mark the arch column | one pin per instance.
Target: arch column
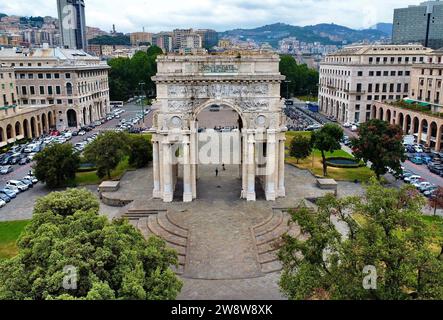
(281, 167)
(420, 130)
(250, 194)
(168, 189)
(156, 169)
(187, 184)
(270, 166)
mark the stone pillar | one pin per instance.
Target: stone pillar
(168, 192)
(438, 138)
(420, 131)
(428, 136)
(270, 167)
(250, 195)
(187, 184)
(156, 169)
(405, 124)
(244, 165)
(194, 155)
(281, 168)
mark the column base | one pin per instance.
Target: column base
(270, 196)
(250, 196)
(281, 192)
(187, 197)
(168, 197)
(156, 194)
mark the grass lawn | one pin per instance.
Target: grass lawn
(91, 178)
(314, 164)
(9, 233)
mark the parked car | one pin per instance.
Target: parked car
(18, 184)
(430, 192)
(10, 188)
(6, 169)
(23, 161)
(11, 194)
(423, 186)
(5, 197)
(27, 182)
(2, 203)
(416, 160)
(81, 133)
(31, 178)
(411, 177)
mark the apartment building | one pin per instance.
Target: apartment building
(427, 82)
(186, 38)
(140, 37)
(353, 78)
(71, 80)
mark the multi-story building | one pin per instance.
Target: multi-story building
(163, 40)
(209, 37)
(186, 38)
(353, 78)
(140, 37)
(419, 24)
(72, 24)
(71, 80)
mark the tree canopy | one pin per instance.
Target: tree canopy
(301, 147)
(327, 139)
(303, 80)
(127, 73)
(140, 151)
(111, 40)
(381, 144)
(56, 165)
(391, 255)
(107, 151)
(82, 255)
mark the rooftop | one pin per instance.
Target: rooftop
(382, 50)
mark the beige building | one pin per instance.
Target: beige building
(353, 78)
(71, 80)
(250, 86)
(139, 37)
(427, 81)
(186, 38)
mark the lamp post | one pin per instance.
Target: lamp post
(287, 88)
(141, 84)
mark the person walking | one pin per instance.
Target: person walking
(216, 172)
(223, 166)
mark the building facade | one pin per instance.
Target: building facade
(163, 40)
(72, 24)
(419, 24)
(75, 83)
(140, 37)
(209, 37)
(353, 78)
(186, 38)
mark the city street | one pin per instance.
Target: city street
(21, 207)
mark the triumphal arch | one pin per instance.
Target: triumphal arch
(247, 82)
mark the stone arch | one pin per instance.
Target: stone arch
(388, 115)
(33, 128)
(2, 135)
(18, 129)
(44, 123)
(432, 138)
(84, 116)
(50, 120)
(401, 119)
(209, 103)
(408, 124)
(415, 125)
(71, 115)
(26, 127)
(9, 132)
(90, 114)
(380, 114)
(374, 112)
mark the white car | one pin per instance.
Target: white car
(33, 179)
(413, 177)
(2, 203)
(81, 133)
(18, 184)
(12, 189)
(347, 125)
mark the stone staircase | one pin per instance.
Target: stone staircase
(268, 239)
(159, 223)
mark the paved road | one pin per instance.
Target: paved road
(21, 207)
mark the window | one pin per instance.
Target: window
(398, 87)
(393, 73)
(385, 87)
(22, 76)
(407, 73)
(69, 89)
(400, 73)
(369, 98)
(43, 101)
(377, 87)
(58, 90)
(49, 90)
(24, 90)
(360, 73)
(406, 88)
(370, 87)
(56, 76)
(32, 89)
(371, 73)
(59, 101)
(48, 76)
(70, 101)
(68, 76)
(30, 76)
(42, 90)
(386, 73)
(391, 87)
(40, 75)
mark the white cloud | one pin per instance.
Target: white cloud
(132, 15)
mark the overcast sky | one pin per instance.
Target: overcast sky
(221, 15)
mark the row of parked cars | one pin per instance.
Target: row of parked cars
(428, 189)
(128, 124)
(14, 187)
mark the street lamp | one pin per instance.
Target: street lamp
(141, 84)
(287, 88)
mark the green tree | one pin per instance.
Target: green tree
(381, 144)
(140, 151)
(327, 264)
(327, 139)
(303, 80)
(56, 165)
(107, 151)
(436, 201)
(301, 147)
(110, 259)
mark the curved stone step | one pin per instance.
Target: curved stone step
(268, 257)
(155, 228)
(275, 234)
(181, 251)
(166, 224)
(270, 267)
(142, 225)
(267, 247)
(273, 223)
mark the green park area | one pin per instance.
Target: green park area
(313, 163)
(89, 177)
(9, 232)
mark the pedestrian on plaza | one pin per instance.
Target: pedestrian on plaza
(223, 165)
(216, 172)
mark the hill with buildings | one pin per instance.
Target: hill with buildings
(328, 34)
